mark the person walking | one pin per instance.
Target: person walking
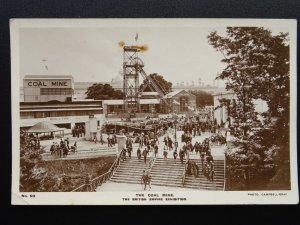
(129, 150)
(175, 155)
(156, 139)
(101, 139)
(202, 156)
(212, 171)
(77, 132)
(73, 131)
(155, 150)
(52, 148)
(138, 153)
(109, 141)
(209, 157)
(123, 154)
(145, 155)
(146, 179)
(61, 142)
(166, 141)
(170, 143)
(165, 148)
(181, 155)
(67, 142)
(80, 130)
(165, 154)
(83, 130)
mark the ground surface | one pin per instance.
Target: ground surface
(87, 149)
(217, 152)
(119, 187)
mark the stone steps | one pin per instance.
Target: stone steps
(165, 172)
(168, 173)
(202, 182)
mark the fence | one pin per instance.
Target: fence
(82, 154)
(91, 185)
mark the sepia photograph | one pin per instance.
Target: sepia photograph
(154, 111)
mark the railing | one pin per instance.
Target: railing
(82, 154)
(91, 185)
(225, 178)
(184, 172)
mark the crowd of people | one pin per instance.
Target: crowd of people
(78, 130)
(111, 140)
(196, 128)
(63, 148)
(148, 144)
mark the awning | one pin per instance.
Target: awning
(44, 127)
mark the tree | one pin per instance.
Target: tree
(203, 98)
(257, 60)
(257, 67)
(30, 174)
(100, 91)
(159, 80)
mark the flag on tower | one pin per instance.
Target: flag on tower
(136, 37)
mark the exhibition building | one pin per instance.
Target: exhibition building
(50, 98)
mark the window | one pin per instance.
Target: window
(56, 91)
(183, 104)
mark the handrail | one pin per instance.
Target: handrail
(184, 172)
(91, 185)
(225, 178)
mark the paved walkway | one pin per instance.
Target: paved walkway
(82, 144)
(88, 149)
(217, 151)
(85, 149)
(119, 187)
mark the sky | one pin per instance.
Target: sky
(92, 54)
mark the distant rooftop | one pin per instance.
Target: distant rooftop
(121, 101)
(173, 93)
(150, 93)
(223, 92)
(48, 77)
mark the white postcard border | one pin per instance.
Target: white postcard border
(116, 198)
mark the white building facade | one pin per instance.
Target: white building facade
(221, 113)
(48, 88)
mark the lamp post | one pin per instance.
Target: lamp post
(176, 142)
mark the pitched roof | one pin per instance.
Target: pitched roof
(149, 93)
(44, 127)
(121, 101)
(174, 93)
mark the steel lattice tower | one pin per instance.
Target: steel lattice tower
(131, 79)
(132, 69)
